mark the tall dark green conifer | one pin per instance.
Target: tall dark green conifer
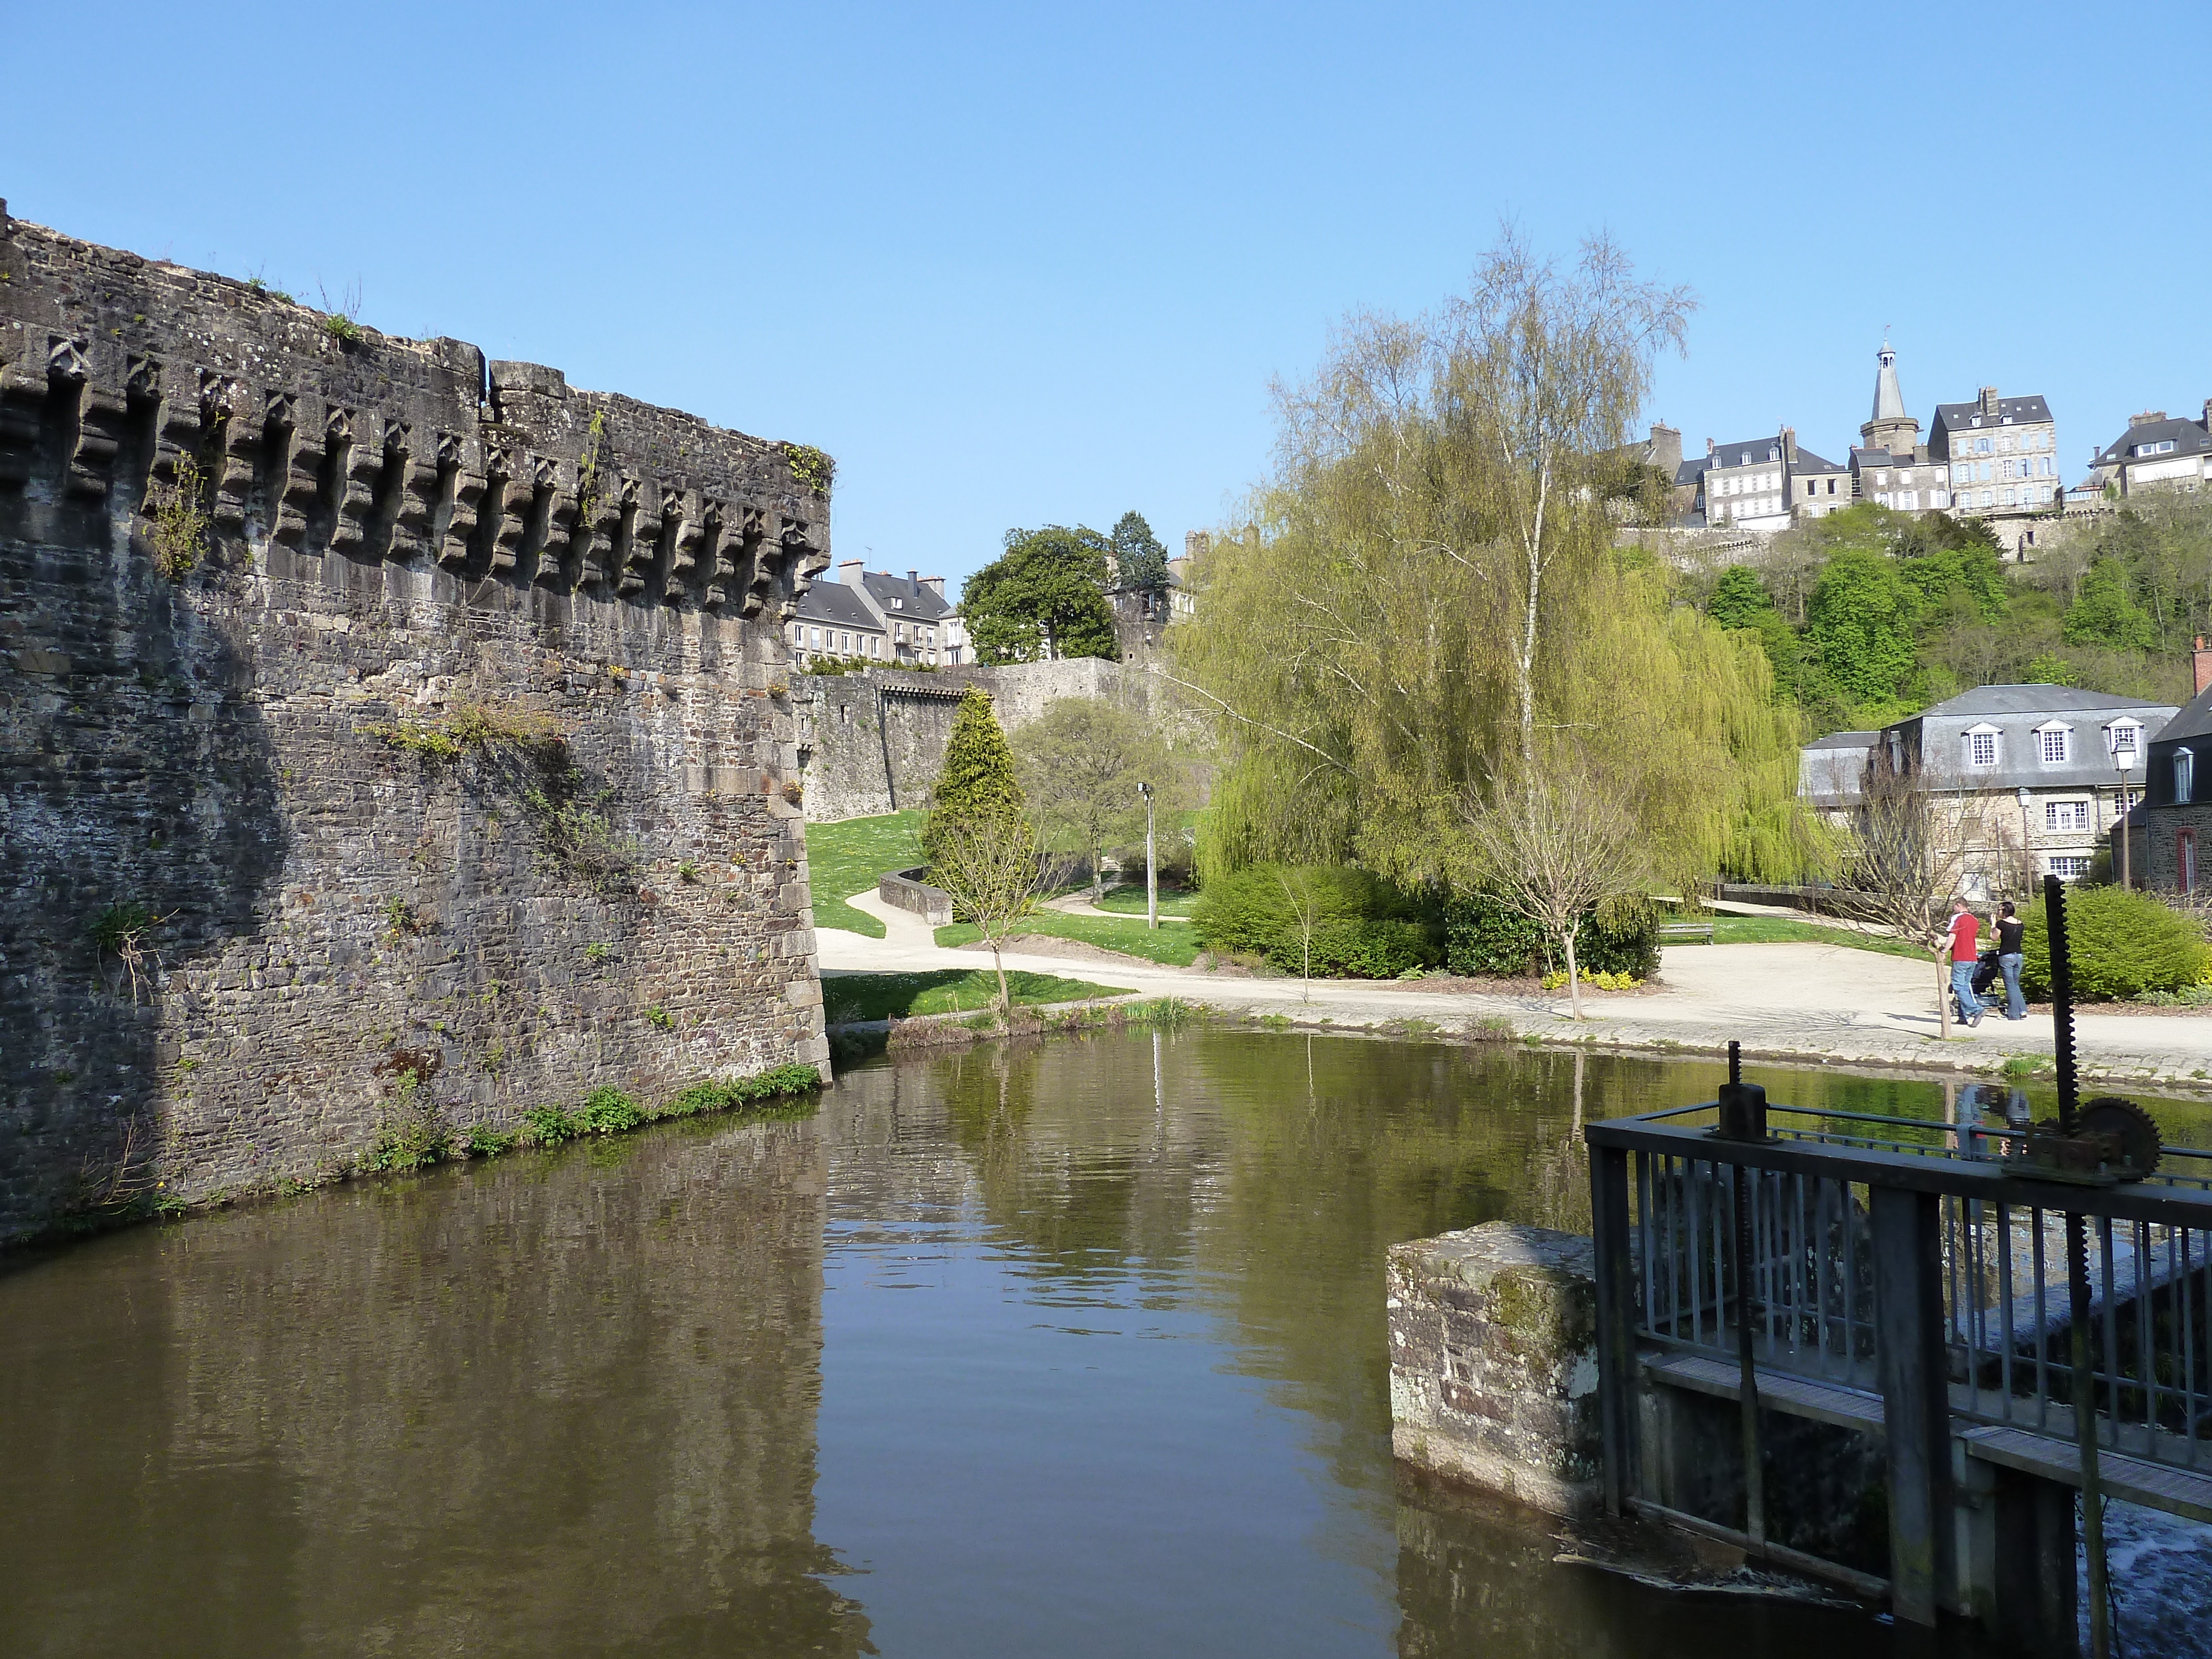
(977, 783)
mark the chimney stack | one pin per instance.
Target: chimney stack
(935, 585)
(1789, 445)
(848, 573)
(1709, 448)
(1195, 543)
(2148, 417)
(2207, 409)
(1989, 403)
(2201, 660)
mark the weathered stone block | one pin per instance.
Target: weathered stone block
(1493, 1363)
(228, 762)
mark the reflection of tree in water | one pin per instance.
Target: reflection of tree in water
(558, 1405)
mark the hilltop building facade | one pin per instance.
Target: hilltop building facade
(2155, 454)
(899, 622)
(2002, 454)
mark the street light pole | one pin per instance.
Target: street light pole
(1152, 864)
(2124, 756)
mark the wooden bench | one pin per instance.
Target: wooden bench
(1685, 932)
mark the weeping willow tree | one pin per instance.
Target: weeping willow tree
(1436, 602)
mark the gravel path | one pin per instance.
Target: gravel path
(1803, 1003)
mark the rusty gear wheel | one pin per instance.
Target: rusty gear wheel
(2128, 1129)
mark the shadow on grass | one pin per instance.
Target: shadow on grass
(849, 997)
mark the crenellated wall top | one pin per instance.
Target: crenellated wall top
(325, 436)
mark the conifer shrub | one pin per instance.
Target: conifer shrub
(2125, 943)
(976, 782)
(1485, 937)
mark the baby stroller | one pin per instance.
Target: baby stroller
(1986, 973)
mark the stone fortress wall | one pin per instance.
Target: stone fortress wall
(250, 917)
(873, 742)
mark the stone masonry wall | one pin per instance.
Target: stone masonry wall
(1493, 1363)
(243, 901)
(869, 738)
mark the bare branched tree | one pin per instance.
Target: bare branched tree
(1305, 917)
(992, 865)
(1557, 845)
(1914, 842)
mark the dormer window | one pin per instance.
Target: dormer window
(2163, 446)
(2053, 744)
(898, 604)
(2124, 737)
(1982, 746)
(2184, 777)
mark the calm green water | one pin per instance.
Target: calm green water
(1074, 1349)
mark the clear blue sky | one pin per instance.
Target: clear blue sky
(1028, 264)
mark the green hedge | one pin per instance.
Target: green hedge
(1483, 937)
(1354, 947)
(1364, 928)
(2124, 945)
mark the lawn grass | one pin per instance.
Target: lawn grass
(1129, 900)
(1784, 930)
(899, 996)
(1172, 947)
(844, 859)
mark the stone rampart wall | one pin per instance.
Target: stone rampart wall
(874, 742)
(245, 898)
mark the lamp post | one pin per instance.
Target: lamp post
(2026, 838)
(2120, 745)
(1152, 864)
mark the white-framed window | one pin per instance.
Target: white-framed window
(2184, 776)
(814, 638)
(2069, 867)
(2126, 734)
(1939, 498)
(2163, 446)
(2066, 815)
(1981, 748)
(2053, 744)
(1910, 500)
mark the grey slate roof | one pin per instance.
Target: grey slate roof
(916, 602)
(2195, 721)
(1845, 740)
(1988, 700)
(1968, 417)
(1690, 470)
(2016, 712)
(2189, 438)
(834, 604)
(1808, 462)
(1753, 451)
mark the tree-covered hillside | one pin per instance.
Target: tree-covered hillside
(1868, 615)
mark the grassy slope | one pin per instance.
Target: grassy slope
(1172, 946)
(1781, 930)
(842, 858)
(885, 996)
(1130, 902)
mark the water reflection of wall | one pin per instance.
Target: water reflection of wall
(547, 1406)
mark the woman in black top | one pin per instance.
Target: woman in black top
(2008, 931)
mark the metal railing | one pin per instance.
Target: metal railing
(2006, 1313)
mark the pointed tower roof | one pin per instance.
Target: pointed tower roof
(1888, 400)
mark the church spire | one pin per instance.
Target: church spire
(1890, 429)
(1888, 400)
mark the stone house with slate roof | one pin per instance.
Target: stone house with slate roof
(2172, 831)
(1762, 484)
(896, 621)
(2157, 453)
(833, 622)
(2030, 765)
(2002, 454)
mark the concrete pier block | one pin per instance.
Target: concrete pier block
(1493, 1363)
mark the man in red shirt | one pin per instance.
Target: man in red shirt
(1965, 930)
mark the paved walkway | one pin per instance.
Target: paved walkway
(1796, 1002)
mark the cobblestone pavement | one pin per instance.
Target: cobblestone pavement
(1808, 1004)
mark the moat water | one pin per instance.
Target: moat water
(1076, 1348)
